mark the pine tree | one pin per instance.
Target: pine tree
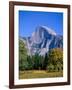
(45, 63)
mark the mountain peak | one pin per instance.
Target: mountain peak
(41, 33)
(49, 30)
(42, 40)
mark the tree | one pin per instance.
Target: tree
(23, 64)
(41, 61)
(45, 63)
(50, 67)
(55, 57)
(30, 63)
(37, 61)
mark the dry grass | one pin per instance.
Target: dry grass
(38, 74)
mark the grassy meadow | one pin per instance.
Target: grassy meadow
(29, 74)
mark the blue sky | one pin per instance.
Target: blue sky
(29, 20)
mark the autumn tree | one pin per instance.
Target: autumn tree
(55, 58)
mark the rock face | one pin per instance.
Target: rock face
(42, 40)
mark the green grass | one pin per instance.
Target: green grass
(38, 74)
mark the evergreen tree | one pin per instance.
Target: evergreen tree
(30, 63)
(45, 63)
